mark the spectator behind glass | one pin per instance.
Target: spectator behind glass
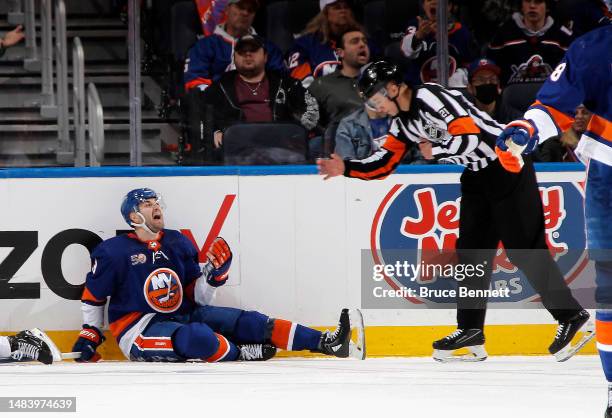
(361, 133)
(337, 93)
(561, 149)
(213, 55)
(313, 53)
(484, 87)
(530, 45)
(11, 38)
(251, 93)
(419, 46)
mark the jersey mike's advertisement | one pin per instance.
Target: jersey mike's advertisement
(415, 217)
(299, 243)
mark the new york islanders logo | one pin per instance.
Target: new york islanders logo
(163, 290)
(426, 217)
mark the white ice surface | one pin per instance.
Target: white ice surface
(517, 387)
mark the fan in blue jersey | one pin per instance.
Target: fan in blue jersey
(159, 300)
(583, 76)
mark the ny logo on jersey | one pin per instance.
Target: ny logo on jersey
(163, 290)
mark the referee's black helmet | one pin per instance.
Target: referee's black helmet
(376, 75)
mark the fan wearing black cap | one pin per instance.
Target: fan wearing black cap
(495, 205)
(251, 93)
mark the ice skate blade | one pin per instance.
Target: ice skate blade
(357, 349)
(55, 352)
(569, 350)
(477, 353)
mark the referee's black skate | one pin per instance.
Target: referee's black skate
(472, 339)
(561, 347)
(256, 352)
(27, 346)
(337, 343)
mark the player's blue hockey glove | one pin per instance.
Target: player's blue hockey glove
(520, 137)
(89, 339)
(220, 257)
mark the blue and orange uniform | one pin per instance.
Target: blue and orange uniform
(159, 304)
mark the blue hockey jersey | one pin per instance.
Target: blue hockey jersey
(309, 56)
(213, 55)
(141, 279)
(584, 76)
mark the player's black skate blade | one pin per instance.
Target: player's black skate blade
(26, 346)
(471, 339)
(561, 347)
(337, 344)
(608, 413)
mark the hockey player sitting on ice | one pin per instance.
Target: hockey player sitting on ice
(495, 205)
(28, 345)
(160, 300)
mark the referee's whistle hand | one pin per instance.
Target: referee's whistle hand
(332, 167)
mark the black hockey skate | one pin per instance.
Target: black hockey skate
(608, 413)
(561, 347)
(27, 346)
(256, 352)
(337, 344)
(472, 339)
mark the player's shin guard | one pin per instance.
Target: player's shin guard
(198, 341)
(290, 336)
(603, 331)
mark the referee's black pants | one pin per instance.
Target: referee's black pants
(500, 206)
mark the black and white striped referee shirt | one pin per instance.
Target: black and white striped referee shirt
(459, 132)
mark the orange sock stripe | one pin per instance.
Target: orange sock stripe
(224, 348)
(603, 331)
(281, 333)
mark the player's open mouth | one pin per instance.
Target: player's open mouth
(156, 217)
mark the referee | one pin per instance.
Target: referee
(496, 205)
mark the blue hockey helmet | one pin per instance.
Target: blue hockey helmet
(133, 199)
